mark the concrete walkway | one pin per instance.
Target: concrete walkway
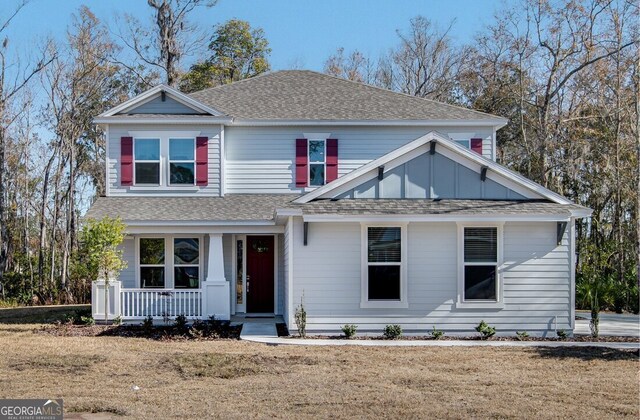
(611, 324)
(269, 339)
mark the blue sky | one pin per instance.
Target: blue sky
(299, 31)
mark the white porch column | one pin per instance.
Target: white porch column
(215, 270)
(216, 296)
(98, 307)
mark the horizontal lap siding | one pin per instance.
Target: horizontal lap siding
(116, 131)
(260, 159)
(128, 275)
(535, 274)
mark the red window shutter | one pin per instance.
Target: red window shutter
(332, 160)
(302, 163)
(202, 161)
(476, 146)
(126, 160)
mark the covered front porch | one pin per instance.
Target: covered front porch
(224, 273)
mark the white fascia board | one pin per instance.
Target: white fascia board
(199, 223)
(519, 182)
(161, 120)
(498, 123)
(151, 93)
(199, 229)
(436, 218)
(356, 174)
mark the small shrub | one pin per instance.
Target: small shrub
(436, 333)
(349, 330)
(301, 319)
(87, 320)
(392, 332)
(562, 334)
(485, 330)
(180, 322)
(117, 320)
(147, 324)
(521, 335)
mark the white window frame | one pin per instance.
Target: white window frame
(158, 161)
(170, 161)
(466, 141)
(169, 281)
(461, 303)
(324, 162)
(364, 269)
(164, 137)
(198, 266)
(139, 265)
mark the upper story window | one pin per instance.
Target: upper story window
(317, 162)
(464, 143)
(147, 161)
(182, 161)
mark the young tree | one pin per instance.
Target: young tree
(237, 52)
(101, 240)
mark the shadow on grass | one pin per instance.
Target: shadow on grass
(587, 353)
(40, 314)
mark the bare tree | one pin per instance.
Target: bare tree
(167, 41)
(355, 66)
(11, 84)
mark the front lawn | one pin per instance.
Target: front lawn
(235, 379)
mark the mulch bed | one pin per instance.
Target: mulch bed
(203, 331)
(575, 338)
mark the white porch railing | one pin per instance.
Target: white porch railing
(160, 303)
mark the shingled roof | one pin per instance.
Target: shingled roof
(307, 95)
(262, 207)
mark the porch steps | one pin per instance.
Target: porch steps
(254, 329)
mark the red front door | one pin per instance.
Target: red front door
(260, 268)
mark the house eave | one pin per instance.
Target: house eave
(162, 120)
(405, 218)
(496, 123)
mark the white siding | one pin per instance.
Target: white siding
(128, 275)
(157, 106)
(116, 131)
(535, 275)
(261, 159)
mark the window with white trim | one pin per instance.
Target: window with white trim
(186, 263)
(464, 143)
(384, 263)
(152, 262)
(146, 152)
(182, 161)
(480, 282)
(317, 162)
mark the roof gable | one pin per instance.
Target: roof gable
(303, 95)
(175, 102)
(505, 183)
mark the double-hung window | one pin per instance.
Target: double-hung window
(182, 161)
(480, 274)
(317, 162)
(384, 279)
(186, 263)
(152, 262)
(147, 161)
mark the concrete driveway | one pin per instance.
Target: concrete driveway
(610, 324)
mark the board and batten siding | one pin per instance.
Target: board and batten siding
(157, 106)
(535, 275)
(260, 159)
(117, 131)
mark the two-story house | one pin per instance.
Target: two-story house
(370, 206)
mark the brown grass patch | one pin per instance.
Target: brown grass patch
(236, 379)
